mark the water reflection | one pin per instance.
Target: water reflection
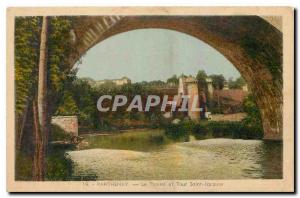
(134, 158)
(271, 160)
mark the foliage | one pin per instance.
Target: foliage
(201, 78)
(59, 49)
(179, 131)
(27, 31)
(237, 130)
(213, 129)
(67, 106)
(218, 81)
(173, 80)
(23, 168)
(201, 131)
(253, 119)
(27, 41)
(236, 84)
(59, 168)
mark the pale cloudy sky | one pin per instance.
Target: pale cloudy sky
(152, 54)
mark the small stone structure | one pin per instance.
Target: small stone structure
(68, 123)
(188, 86)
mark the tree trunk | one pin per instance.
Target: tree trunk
(40, 109)
(39, 152)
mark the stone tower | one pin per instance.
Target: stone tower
(192, 91)
(210, 89)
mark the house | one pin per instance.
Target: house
(229, 100)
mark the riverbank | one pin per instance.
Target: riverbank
(211, 129)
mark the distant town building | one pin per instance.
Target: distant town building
(118, 82)
(121, 81)
(230, 100)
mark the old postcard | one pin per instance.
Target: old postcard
(150, 99)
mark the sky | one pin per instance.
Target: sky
(152, 54)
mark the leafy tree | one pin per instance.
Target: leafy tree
(68, 106)
(217, 81)
(158, 83)
(236, 84)
(86, 100)
(182, 76)
(173, 80)
(201, 78)
(27, 43)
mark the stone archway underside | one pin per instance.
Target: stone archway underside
(253, 46)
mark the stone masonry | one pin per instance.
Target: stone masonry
(68, 123)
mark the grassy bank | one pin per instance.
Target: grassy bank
(211, 129)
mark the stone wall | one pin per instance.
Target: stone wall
(67, 123)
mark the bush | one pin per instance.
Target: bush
(179, 131)
(201, 131)
(58, 134)
(59, 168)
(23, 167)
(253, 122)
(236, 130)
(225, 129)
(252, 132)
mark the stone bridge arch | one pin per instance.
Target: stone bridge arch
(250, 43)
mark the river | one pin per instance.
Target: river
(148, 154)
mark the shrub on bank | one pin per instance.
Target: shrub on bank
(210, 129)
(236, 130)
(225, 129)
(179, 131)
(201, 131)
(59, 168)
